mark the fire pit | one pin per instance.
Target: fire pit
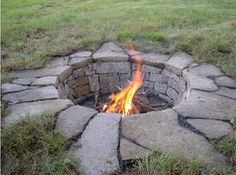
(115, 105)
(131, 85)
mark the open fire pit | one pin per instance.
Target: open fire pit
(117, 104)
(126, 86)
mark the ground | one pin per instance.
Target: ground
(35, 31)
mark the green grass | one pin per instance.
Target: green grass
(31, 147)
(35, 30)
(227, 145)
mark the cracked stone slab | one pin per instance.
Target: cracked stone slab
(199, 104)
(96, 151)
(81, 54)
(213, 129)
(153, 59)
(62, 71)
(45, 81)
(73, 120)
(205, 70)
(227, 92)
(161, 132)
(198, 82)
(23, 81)
(78, 62)
(110, 52)
(60, 61)
(225, 81)
(43, 93)
(18, 112)
(8, 87)
(129, 150)
(178, 62)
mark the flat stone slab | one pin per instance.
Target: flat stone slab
(199, 82)
(110, 52)
(8, 87)
(23, 81)
(43, 93)
(113, 67)
(205, 70)
(73, 120)
(78, 62)
(45, 81)
(61, 61)
(227, 92)
(199, 104)
(178, 62)
(18, 112)
(62, 71)
(161, 132)
(81, 54)
(96, 152)
(129, 150)
(153, 59)
(225, 81)
(213, 129)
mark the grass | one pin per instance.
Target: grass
(172, 164)
(31, 147)
(227, 145)
(168, 164)
(33, 31)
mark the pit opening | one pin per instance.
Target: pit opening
(91, 84)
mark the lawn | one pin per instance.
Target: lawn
(34, 31)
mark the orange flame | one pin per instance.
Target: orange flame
(122, 102)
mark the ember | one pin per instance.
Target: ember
(122, 102)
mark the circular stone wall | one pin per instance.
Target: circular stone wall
(104, 76)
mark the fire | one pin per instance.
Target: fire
(122, 102)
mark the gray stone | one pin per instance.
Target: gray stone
(8, 87)
(80, 62)
(148, 84)
(78, 72)
(225, 81)
(213, 129)
(160, 88)
(61, 61)
(166, 73)
(172, 93)
(89, 70)
(81, 54)
(110, 52)
(129, 150)
(147, 68)
(227, 92)
(153, 59)
(199, 104)
(94, 83)
(112, 67)
(18, 112)
(23, 81)
(205, 70)
(158, 78)
(109, 83)
(161, 132)
(96, 152)
(50, 80)
(62, 71)
(125, 76)
(172, 83)
(199, 82)
(178, 62)
(43, 93)
(73, 120)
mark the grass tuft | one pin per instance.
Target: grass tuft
(168, 164)
(31, 147)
